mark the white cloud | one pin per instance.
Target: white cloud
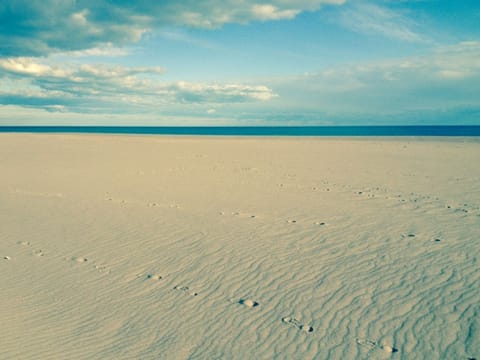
(446, 78)
(107, 88)
(80, 18)
(55, 108)
(24, 66)
(271, 12)
(219, 93)
(37, 28)
(457, 61)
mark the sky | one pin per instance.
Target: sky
(239, 62)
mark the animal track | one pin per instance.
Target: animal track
(36, 193)
(185, 289)
(289, 321)
(372, 344)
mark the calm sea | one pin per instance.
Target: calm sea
(466, 130)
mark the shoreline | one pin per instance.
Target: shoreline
(280, 131)
(406, 138)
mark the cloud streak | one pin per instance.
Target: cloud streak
(369, 18)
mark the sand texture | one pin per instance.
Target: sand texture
(150, 247)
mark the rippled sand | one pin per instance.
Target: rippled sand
(146, 247)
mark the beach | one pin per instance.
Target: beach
(184, 247)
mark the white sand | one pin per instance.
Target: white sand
(144, 247)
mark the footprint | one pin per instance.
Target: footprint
(239, 214)
(291, 221)
(154, 277)
(297, 324)
(249, 303)
(79, 259)
(7, 257)
(39, 253)
(185, 289)
(372, 344)
(24, 243)
(102, 269)
(366, 342)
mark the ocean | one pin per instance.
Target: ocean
(460, 130)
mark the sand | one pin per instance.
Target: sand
(152, 247)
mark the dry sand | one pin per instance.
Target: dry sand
(151, 247)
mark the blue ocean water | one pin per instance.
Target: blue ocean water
(461, 130)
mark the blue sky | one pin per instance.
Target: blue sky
(230, 62)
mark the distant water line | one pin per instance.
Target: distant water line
(427, 130)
